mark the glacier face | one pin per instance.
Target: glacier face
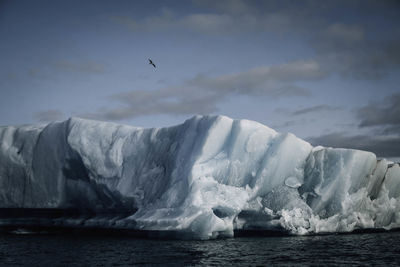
(204, 178)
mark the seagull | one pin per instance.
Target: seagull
(151, 63)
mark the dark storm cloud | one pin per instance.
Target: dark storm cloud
(340, 32)
(365, 60)
(385, 113)
(202, 94)
(302, 111)
(382, 118)
(49, 115)
(222, 17)
(314, 109)
(390, 130)
(381, 146)
(169, 20)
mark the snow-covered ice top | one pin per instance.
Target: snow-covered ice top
(203, 178)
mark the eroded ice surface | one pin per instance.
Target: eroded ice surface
(203, 178)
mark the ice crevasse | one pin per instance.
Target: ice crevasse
(202, 179)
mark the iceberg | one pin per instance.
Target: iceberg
(206, 178)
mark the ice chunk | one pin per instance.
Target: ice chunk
(204, 178)
(392, 181)
(292, 182)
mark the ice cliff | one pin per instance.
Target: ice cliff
(204, 178)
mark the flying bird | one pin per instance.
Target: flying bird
(151, 63)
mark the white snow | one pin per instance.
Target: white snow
(203, 178)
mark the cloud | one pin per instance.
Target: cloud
(341, 34)
(381, 146)
(382, 118)
(206, 23)
(220, 17)
(367, 60)
(87, 66)
(357, 50)
(202, 94)
(312, 109)
(49, 115)
(349, 47)
(126, 21)
(342, 45)
(276, 80)
(318, 108)
(283, 125)
(172, 101)
(66, 66)
(385, 113)
(227, 6)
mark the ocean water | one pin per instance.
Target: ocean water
(48, 250)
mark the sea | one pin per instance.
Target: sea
(44, 249)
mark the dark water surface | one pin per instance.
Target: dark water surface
(85, 250)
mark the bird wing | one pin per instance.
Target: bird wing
(151, 62)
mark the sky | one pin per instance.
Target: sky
(327, 71)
